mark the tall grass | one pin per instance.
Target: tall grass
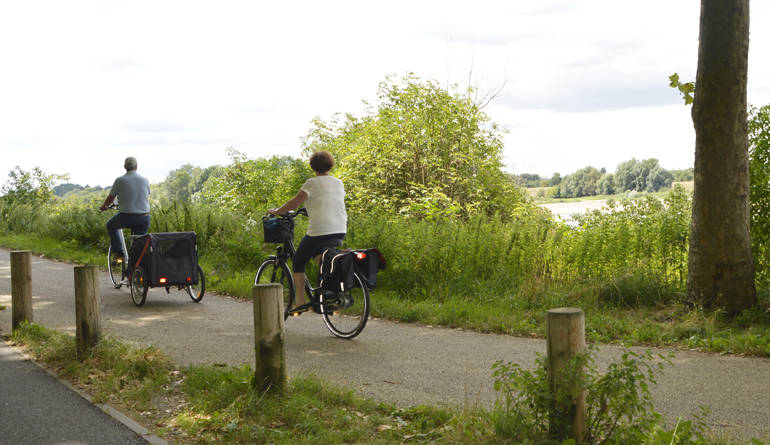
(479, 259)
(626, 266)
(634, 252)
(641, 241)
(647, 235)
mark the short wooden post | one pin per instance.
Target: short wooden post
(88, 325)
(565, 337)
(270, 352)
(21, 287)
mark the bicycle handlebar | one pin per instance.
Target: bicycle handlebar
(290, 214)
(112, 206)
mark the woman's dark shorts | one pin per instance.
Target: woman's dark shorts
(311, 246)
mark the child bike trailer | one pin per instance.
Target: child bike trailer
(165, 260)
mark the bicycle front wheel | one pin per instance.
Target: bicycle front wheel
(348, 311)
(116, 269)
(271, 271)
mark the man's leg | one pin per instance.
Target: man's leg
(140, 225)
(113, 229)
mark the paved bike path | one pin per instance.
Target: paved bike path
(401, 363)
(38, 409)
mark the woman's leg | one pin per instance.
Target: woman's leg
(309, 247)
(299, 287)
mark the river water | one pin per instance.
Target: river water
(565, 210)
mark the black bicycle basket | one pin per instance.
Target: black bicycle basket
(278, 230)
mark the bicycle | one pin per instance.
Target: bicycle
(136, 277)
(345, 313)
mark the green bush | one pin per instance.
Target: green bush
(759, 169)
(619, 408)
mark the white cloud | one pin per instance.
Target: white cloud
(90, 82)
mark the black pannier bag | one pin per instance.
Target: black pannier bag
(278, 230)
(167, 259)
(368, 263)
(337, 270)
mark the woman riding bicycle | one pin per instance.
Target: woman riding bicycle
(324, 198)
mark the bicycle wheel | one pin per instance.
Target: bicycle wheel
(116, 269)
(272, 272)
(345, 313)
(139, 286)
(196, 291)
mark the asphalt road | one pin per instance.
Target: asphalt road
(37, 409)
(401, 363)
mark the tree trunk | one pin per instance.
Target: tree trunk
(721, 269)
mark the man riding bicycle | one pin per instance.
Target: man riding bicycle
(133, 193)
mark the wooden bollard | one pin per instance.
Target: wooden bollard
(88, 324)
(270, 352)
(21, 287)
(565, 337)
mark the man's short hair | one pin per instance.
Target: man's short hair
(130, 163)
(321, 161)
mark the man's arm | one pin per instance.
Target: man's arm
(107, 202)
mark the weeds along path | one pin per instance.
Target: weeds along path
(401, 363)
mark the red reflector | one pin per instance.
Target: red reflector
(162, 280)
(360, 255)
(189, 279)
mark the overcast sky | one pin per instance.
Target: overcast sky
(85, 84)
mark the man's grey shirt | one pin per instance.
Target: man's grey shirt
(133, 193)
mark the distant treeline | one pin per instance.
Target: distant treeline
(633, 175)
(63, 189)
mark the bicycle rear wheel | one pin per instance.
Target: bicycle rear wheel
(116, 269)
(345, 313)
(271, 271)
(139, 286)
(196, 291)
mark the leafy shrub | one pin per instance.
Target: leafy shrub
(424, 150)
(759, 169)
(619, 408)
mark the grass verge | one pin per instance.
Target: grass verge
(215, 405)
